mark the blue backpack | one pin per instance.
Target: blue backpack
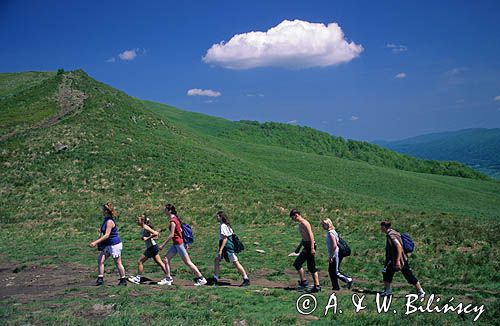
(408, 245)
(187, 234)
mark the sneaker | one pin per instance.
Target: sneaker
(135, 279)
(302, 285)
(166, 281)
(200, 281)
(99, 281)
(349, 284)
(315, 289)
(246, 282)
(123, 281)
(421, 295)
(386, 293)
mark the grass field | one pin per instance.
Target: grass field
(140, 154)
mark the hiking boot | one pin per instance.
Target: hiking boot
(200, 281)
(349, 284)
(99, 281)
(123, 281)
(302, 285)
(386, 293)
(135, 279)
(246, 282)
(166, 281)
(315, 289)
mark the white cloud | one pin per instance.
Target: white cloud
(397, 48)
(354, 118)
(291, 44)
(293, 122)
(496, 98)
(400, 75)
(128, 55)
(203, 92)
(111, 60)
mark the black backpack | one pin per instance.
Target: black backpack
(237, 244)
(344, 249)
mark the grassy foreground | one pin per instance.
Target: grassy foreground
(140, 154)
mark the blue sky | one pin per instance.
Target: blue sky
(445, 53)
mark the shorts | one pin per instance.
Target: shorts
(114, 251)
(305, 255)
(151, 251)
(177, 249)
(228, 256)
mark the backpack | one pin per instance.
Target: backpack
(237, 244)
(344, 249)
(187, 234)
(408, 245)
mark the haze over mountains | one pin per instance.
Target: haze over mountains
(478, 148)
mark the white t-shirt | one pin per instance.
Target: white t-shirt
(225, 231)
(329, 243)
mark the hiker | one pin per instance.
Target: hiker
(226, 249)
(148, 235)
(307, 254)
(334, 259)
(109, 244)
(396, 260)
(178, 246)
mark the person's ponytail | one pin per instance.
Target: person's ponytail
(110, 210)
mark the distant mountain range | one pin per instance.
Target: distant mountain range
(478, 148)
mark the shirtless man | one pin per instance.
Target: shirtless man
(307, 253)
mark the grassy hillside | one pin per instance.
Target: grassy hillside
(477, 148)
(309, 140)
(141, 154)
(27, 98)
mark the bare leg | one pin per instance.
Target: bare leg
(140, 266)
(316, 278)
(302, 275)
(119, 266)
(168, 259)
(187, 261)
(100, 263)
(158, 261)
(418, 287)
(217, 265)
(240, 269)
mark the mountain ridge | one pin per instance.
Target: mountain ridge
(478, 148)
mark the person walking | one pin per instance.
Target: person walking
(307, 254)
(396, 260)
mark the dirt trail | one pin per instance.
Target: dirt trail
(27, 283)
(68, 99)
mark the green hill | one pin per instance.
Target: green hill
(478, 148)
(89, 143)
